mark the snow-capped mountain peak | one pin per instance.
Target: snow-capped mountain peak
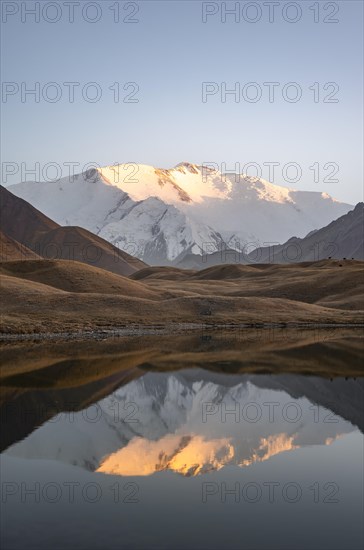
(161, 214)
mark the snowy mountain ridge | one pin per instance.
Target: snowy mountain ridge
(160, 215)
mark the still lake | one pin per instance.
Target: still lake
(193, 458)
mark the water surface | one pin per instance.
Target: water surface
(188, 458)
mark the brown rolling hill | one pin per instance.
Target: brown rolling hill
(31, 229)
(197, 261)
(334, 283)
(78, 244)
(72, 276)
(56, 296)
(12, 250)
(162, 273)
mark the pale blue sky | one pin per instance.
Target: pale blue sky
(169, 53)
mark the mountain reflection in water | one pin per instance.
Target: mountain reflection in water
(193, 422)
(184, 449)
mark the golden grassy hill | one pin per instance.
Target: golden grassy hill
(57, 296)
(329, 283)
(10, 249)
(162, 273)
(72, 276)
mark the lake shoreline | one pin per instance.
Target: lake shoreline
(166, 330)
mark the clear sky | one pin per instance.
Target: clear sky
(169, 51)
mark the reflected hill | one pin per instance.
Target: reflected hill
(195, 421)
(39, 380)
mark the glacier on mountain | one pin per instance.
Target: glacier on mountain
(161, 215)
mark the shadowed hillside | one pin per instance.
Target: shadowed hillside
(342, 238)
(30, 229)
(10, 249)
